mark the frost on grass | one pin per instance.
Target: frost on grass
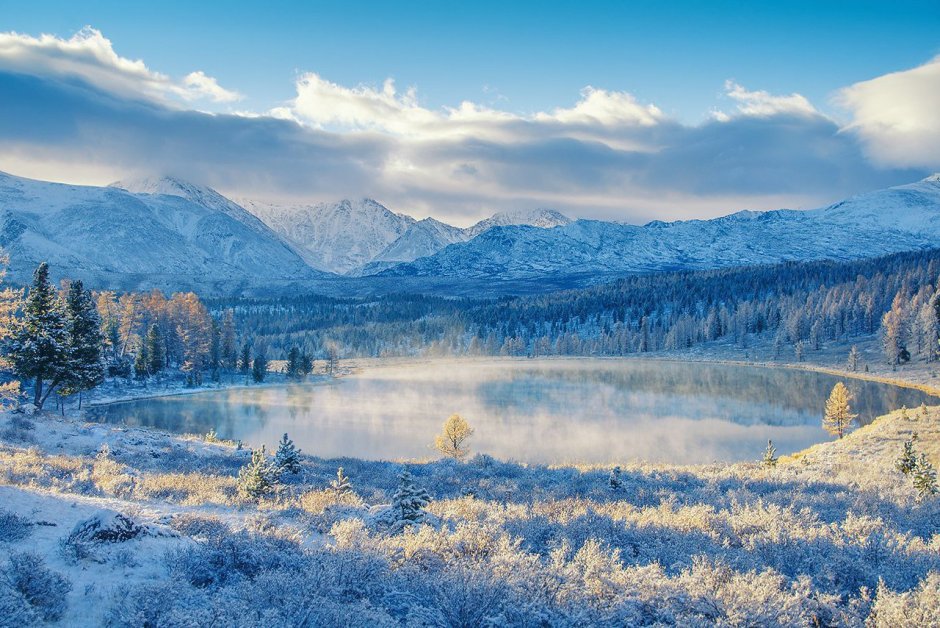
(836, 535)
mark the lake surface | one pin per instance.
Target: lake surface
(547, 411)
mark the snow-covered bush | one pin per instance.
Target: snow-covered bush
(41, 588)
(13, 527)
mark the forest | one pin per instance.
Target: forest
(799, 305)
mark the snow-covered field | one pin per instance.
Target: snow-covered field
(831, 536)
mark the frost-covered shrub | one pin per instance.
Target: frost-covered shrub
(43, 589)
(259, 477)
(198, 526)
(920, 607)
(13, 527)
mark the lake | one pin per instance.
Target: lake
(542, 411)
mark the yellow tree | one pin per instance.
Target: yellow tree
(10, 301)
(838, 418)
(452, 440)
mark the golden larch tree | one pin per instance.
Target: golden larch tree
(452, 441)
(838, 418)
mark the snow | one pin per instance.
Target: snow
(111, 236)
(887, 221)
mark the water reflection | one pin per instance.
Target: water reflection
(536, 411)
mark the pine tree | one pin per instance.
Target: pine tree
(614, 482)
(409, 500)
(770, 455)
(287, 456)
(924, 478)
(258, 477)
(39, 344)
(907, 461)
(341, 485)
(154, 350)
(85, 363)
(452, 441)
(306, 364)
(838, 418)
(259, 367)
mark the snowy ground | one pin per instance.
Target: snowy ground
(833, 536)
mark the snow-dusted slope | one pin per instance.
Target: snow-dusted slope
(337, 237)
(886, 221)
(542, 218)
(181, 235)
(423, 238)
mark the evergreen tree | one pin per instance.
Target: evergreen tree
(293, 363)
(770, 455)
(154, 350)
(341, 485)
(907, 461)
(215, 350)
(838, 417)
(245, 361)
(258, 477)
(306, 364)
(85, 363)
(142, 363)
(229, 348)
(287, 456)
(614, 482)
(259, 367)
(452, 440)
(39, 344)
(924, 478)
(409, 499)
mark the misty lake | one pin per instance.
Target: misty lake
(546, 411)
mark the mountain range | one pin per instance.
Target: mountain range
(168, 233)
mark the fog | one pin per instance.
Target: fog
(551, 411)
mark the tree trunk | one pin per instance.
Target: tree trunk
(37, 400)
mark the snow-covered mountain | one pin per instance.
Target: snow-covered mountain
(363, 237)
(336, 237)
(542, 218)
(170, 234)
(886, 221)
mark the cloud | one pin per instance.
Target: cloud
(764, 104)
(89, 56)
(896, 115)
(74, 110)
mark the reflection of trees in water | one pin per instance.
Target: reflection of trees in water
(740, 394)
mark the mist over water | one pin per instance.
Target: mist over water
(542, 411)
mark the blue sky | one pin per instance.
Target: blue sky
(694, 81)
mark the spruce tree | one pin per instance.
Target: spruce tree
(39, 344)
(306, 364)
(287, 456)
(907, 461)
(614, 482)
(770, 455)
(409, 500)
(259, 367)
(293, 363)
(229, 349)
(245, 361)
(85, 364)
(142, 362)
(155, 350)
(258, 477)
(341, 485)
(924, 478)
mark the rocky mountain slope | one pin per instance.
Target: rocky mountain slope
(896, 219)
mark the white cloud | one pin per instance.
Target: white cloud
(763, 104)
(898, 115)
(90, 56)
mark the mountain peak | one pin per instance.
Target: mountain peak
(934, 178)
